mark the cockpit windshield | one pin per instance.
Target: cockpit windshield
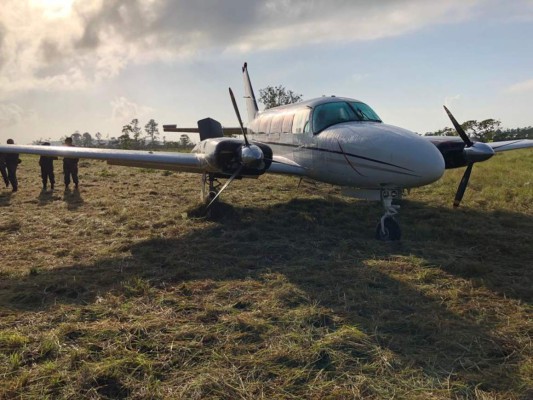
(329, 114)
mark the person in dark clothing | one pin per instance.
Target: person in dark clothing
(12, 162)
(3, 169)
(47, 169)
(70, 167)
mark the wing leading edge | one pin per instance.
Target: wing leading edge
(496, 146)
(511, 145)
(186, 162)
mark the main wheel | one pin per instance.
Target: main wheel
(392, 230)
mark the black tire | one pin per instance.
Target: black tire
(392, 230)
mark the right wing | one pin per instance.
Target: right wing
(510, 145)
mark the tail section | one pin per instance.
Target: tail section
(251, 103)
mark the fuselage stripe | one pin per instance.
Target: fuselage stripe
(334, 152)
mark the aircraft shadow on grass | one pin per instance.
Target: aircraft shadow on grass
(322, 246)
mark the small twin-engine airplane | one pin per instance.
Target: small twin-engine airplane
(335, 140)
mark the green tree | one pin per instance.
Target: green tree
(487, 129)
(86, 139)
(124, 140)
(277, 96)
(442, 132)
(484, 131)
(152, 131)
(137, 141)
(98, 137)
(514, 134)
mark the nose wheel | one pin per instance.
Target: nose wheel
(388, 228)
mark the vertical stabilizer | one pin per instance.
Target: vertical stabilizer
(251, 103)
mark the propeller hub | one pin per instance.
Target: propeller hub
(252, 156)
(479, 151)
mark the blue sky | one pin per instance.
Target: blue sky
(94, 65)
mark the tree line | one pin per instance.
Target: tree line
(132, 137)
(488, 130)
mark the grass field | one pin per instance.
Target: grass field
(114, 292)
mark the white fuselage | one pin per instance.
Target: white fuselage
(361, 154)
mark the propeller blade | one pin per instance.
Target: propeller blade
(462, 186)
(238, 116)
(459, 129)
(235, 174)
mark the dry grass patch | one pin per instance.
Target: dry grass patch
(115, 292)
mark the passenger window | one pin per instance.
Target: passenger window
(277, 123)
(300, 119)
(287, 123)
(264, 124)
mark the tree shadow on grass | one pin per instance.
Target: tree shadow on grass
(326, 249)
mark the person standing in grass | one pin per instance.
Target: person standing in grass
(3, 169)
(70, 167)
(12, 161)
(47, 169)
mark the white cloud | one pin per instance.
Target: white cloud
(449, 100)
(521, 87)
(123, 109)
(69, 44)
(10, 114)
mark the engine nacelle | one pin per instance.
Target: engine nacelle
(226, 155)
(456, 154)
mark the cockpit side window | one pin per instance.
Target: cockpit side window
(328, 114)
(364, 112)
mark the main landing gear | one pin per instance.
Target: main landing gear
(210, 188)
(388, 228)
(210, 206)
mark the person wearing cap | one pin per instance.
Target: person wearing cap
(70, 167)
(47, 169)
(12, 161)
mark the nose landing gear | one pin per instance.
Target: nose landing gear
(388, 228)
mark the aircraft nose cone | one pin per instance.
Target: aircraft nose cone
(421, 157)
(427, 162)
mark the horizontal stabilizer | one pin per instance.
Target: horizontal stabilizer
(231, 131)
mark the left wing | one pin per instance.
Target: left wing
(212, 156)
(186, 162)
